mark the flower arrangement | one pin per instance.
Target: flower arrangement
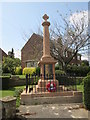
(51, 86)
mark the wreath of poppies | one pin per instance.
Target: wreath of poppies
(51, 87)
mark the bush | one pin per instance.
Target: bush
(88, 73)
(18, 92)
(78, 70)
(87, 92)
(30, 70)
(18, 71)
(38, 71)
(59, 72)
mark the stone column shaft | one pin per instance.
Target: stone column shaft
(46, 46)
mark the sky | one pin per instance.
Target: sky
(19, 20)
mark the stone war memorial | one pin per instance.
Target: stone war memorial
(47, 63)
(48, 90)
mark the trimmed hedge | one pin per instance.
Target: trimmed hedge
(87, 92)
(18, 71)
(30, 70)
(5, 82)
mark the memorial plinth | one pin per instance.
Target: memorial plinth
(47, 62)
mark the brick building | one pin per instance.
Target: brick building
(32, 52)
(2, 54)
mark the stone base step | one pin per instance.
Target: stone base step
(51, 98)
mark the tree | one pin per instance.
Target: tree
(9, 64)
(85, 63)
(71, 37)
(17, 62)
(11, 53)
(0, 68)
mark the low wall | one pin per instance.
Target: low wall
(16, 82)
(7, 82)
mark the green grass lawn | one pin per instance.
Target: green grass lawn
(80, 88)
(21, 76)
(10, 92)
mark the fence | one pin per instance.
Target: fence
(47, 83)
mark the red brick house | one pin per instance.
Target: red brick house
(2, 54)
(32, 52)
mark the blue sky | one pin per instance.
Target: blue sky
(24, 18)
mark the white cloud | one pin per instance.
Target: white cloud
(17, 53)
(84, 57)
(79, 18)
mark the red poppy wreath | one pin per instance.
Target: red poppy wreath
(51, 87)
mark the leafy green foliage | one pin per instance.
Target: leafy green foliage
(17, 92)
(59, 72)
(30, 70)
(85, 63)
(0, 68)
(88, 73)
(9, 64)
(38, 71)
(87, 92)
(79, 80)
(18, 71)
(78, 70)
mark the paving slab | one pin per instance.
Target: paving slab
(54, 111)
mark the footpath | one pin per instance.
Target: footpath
(53, 111)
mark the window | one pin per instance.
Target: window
(31, 64)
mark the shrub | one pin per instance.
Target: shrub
(18, 71)
(30, 70)
(88, 73)
(87, 92)
(18, 92)
(38, 71)
(78, 70)
(59, 72)
(9, 64)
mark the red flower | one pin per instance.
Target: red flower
(51, 87)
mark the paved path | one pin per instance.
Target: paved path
(53, 111)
